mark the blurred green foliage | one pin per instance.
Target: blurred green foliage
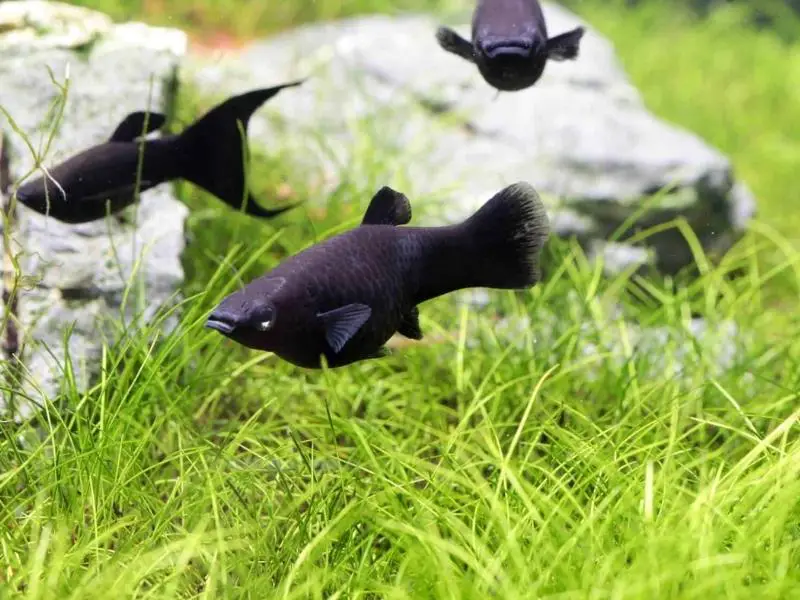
(245, 18)
(255, 17)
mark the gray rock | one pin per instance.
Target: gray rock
(611, 340)
(582, 136)
(91, 278)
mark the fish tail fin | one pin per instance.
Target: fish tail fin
(214, 150)
(506, 236)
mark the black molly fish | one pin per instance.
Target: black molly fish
(510, 44)
(346, 296)
(209, 153)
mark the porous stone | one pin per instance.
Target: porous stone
(582, 136)
(85, 278)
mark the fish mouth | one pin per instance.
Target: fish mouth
(509, 51)
(22, 195)
(219, 324)
(506, 47)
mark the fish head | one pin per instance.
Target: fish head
(97, 170)
(25, 193)
(35, 193)
(250, 316)
(511, 63)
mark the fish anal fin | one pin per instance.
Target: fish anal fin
(387, 207)
(342, 323)
(137, 124)
(565, 46)
(450, 41)
(409, 325)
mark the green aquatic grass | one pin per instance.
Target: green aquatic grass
(463, 468)
(565, 461)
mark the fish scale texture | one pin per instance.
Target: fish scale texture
(372, 265)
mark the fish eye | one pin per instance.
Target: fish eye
(266, 319)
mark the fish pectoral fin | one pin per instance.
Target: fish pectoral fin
(137, 124)
(450, 41)
(566, 45)
(342, 323)
(409, 325)
(387, 207)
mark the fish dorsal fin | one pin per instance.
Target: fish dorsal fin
(133, 126)
(566, 45)
(409, 325)
(387, 207)
(453, 43)
(342, 323)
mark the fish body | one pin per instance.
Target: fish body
(510, 44)
(346, 296)
(103, 179)
(100, 180)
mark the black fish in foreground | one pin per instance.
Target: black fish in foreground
(345, 297)
(510, 44)
(102, 179)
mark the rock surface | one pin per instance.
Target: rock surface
(664, 352)
(81, 272)
(582, 136)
